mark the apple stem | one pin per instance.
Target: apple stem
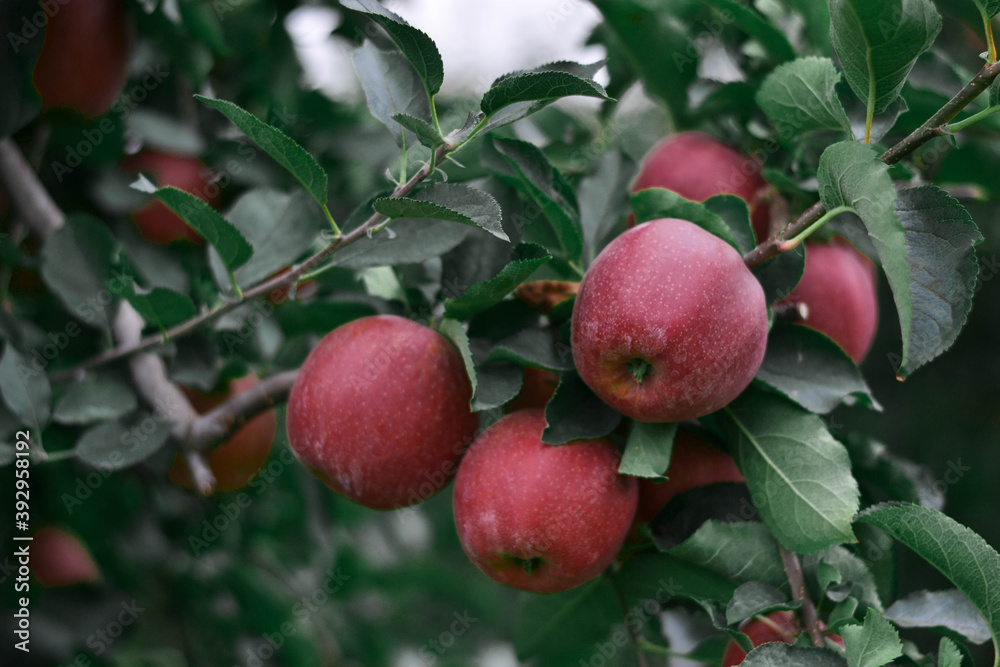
(793, 569)
(639, 368)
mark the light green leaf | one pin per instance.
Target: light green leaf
(446, 201)
(754, 598)
(275, 143)
(25, 389)
(159, 306)
(776, 654)
(948, 654)
(538, 87)
(648, 450)
(405, 241)
(114, 445)
(656, 203)
(948, 610)
(95, 399)
(990, 7)
(801, 97)
(392, 88)
(873, 644)
(740, 552)
(528, 258)
(799, 476)
(424, 131)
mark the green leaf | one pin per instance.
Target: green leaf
(990, 7)
(560, 628)
(658, 47)
(446, 201)
(114, 445)
(497, 383)
(25, 389)
(95, 399)
(754, 598)
(319, 317)
(958, 553)
(536, 348)
(538, 86)
(817, 18)
(77, 261)
(406, 241)
(662, 577)
(648, 450)
(159, 306)
(850, 569)
(424, 131)
(604, 199)
(528, 257)
(948, 654)
(801, 97)
(940, 251)
(812, 370)
(392, 88)
(21, 102)
(755, 25)
(799, 476)
(776, 654)
(453, 331)
(656, 203)
(233, 249)
(540, 181)
(280, 227)
(576, 413)
(948, 610)
(275, 143)
(873, 644)
(898, 478)
(878, 43)
(739, 552)
(736, 214)
(415, 44)
(780, 275)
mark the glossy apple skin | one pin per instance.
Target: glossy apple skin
(840, 292)
(537, 388)
(563, 509)
(83, 60)
(156, 222)
(674, 295)
(783, 627)
(60, 559)
(380, 411)
(698, 166)
(693, 463)
(235, 462)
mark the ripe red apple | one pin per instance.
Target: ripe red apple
(538, 517)
(60, 559)
(380, 411)
(238, 459)
(693, 463)
(84, 57)
(669, 324)
(537, 388)
(839, 292)
(697, 166)
(778, 626)
(156, 222)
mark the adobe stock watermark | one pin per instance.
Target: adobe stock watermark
(434, 649)
(101, 640)
(32, 26)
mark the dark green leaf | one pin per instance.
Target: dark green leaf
(391, 87)
(604, 199)
(735, 213)
(898, 478)
(657, 203)
(275, 143)
(799, 476)
(576, 413)
(25, 389)
(801, 97)
(95, 399)
(948, 610)
(538, 86)
(319, 317)
(415, 44)
(115, 445)
(77, 262)
(878, 43)
(161, 307)
(990, 7)
(755, 25)
(21, 102)
(497, 383)
(453, 331)
(958, 553)
(850, 570)
(940, 251)
(7, 454)
(776, 654)
(740, 552)
(661, 577)
(561, 628)
(536, 348)
(754, 598)
(648, 450)
(812, 370)
(407, 241)
(528, 257)
(817, 18)
(780, 275)
(446, 201)
(873, 644)
(158, 130)
(424, 131)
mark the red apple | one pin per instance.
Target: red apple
(84, 57)
(538, 517)
(693, 463)
(155, 221)
(538, 387)
(60, 559)
(238, 459)
(697, 166)
(669, 324)
(839, 292)
(380, 411)
(778, 626)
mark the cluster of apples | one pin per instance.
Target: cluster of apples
(669, 325)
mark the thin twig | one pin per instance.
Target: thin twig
(795, 579)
